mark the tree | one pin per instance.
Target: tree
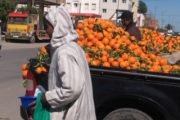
(28, 9)
(142, 7)
(6, 6)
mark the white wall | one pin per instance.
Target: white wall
(90, 6)
(135, 9)
(140, 20)
(99, 7)
(111, 7)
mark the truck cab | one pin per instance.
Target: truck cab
(21, 26)
(78, 17)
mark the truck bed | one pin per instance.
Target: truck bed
(156, 94)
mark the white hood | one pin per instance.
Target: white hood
(63, 27)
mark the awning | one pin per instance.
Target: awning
(46, 2)
(85, 15)
(14, 14)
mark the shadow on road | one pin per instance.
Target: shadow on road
(26, 41)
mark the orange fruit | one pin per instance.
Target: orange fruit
(133, 38)
(99, 36)
(124, 64)
(110, 59)
(125, 56)
(90, 37)
(38, 70)
(116, 46)
(44, 69)
(106, 64)
(24, 73)
(101, 46)
(115, 64)
(132, 60)
(43, 49)
(95, 62)
(104, 53)
(24, 66)
(104, 59)
(80, 26)
(105, 41)
(89, 44)
(134, 66)
(163, 61)
(95, 40)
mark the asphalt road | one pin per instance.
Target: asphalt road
(12, 55)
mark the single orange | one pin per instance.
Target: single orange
(24, 66)
(38, 70)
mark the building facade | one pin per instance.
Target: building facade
(135, 5)
(151, 22)
(83, 6)
(140, 20)
(105, 8)
(108, 7)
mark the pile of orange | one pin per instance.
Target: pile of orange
(37, 66)
(107, 45)
(156, 43)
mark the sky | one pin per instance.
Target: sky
(166, 11)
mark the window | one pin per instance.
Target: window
(104, 0)
(123, 1)
(93, 6)
(75, 4)
(104, 10)
(68, 5)
(86, 6)
(114, 1)
(30, 20)
(18, 20)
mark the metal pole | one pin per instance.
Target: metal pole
(33, 3)
(41, 14)
(0, 35)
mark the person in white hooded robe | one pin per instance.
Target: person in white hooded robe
(70, 94)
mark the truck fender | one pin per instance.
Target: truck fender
(141, 102)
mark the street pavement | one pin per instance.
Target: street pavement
(12, 55)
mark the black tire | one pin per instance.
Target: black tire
(127, 114)
(7, 40)
(32, 39)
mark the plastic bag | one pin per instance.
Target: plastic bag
(40, 113)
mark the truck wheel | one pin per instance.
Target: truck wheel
(32, 39)
(7, 40)
(127, 114)
(23, 113)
